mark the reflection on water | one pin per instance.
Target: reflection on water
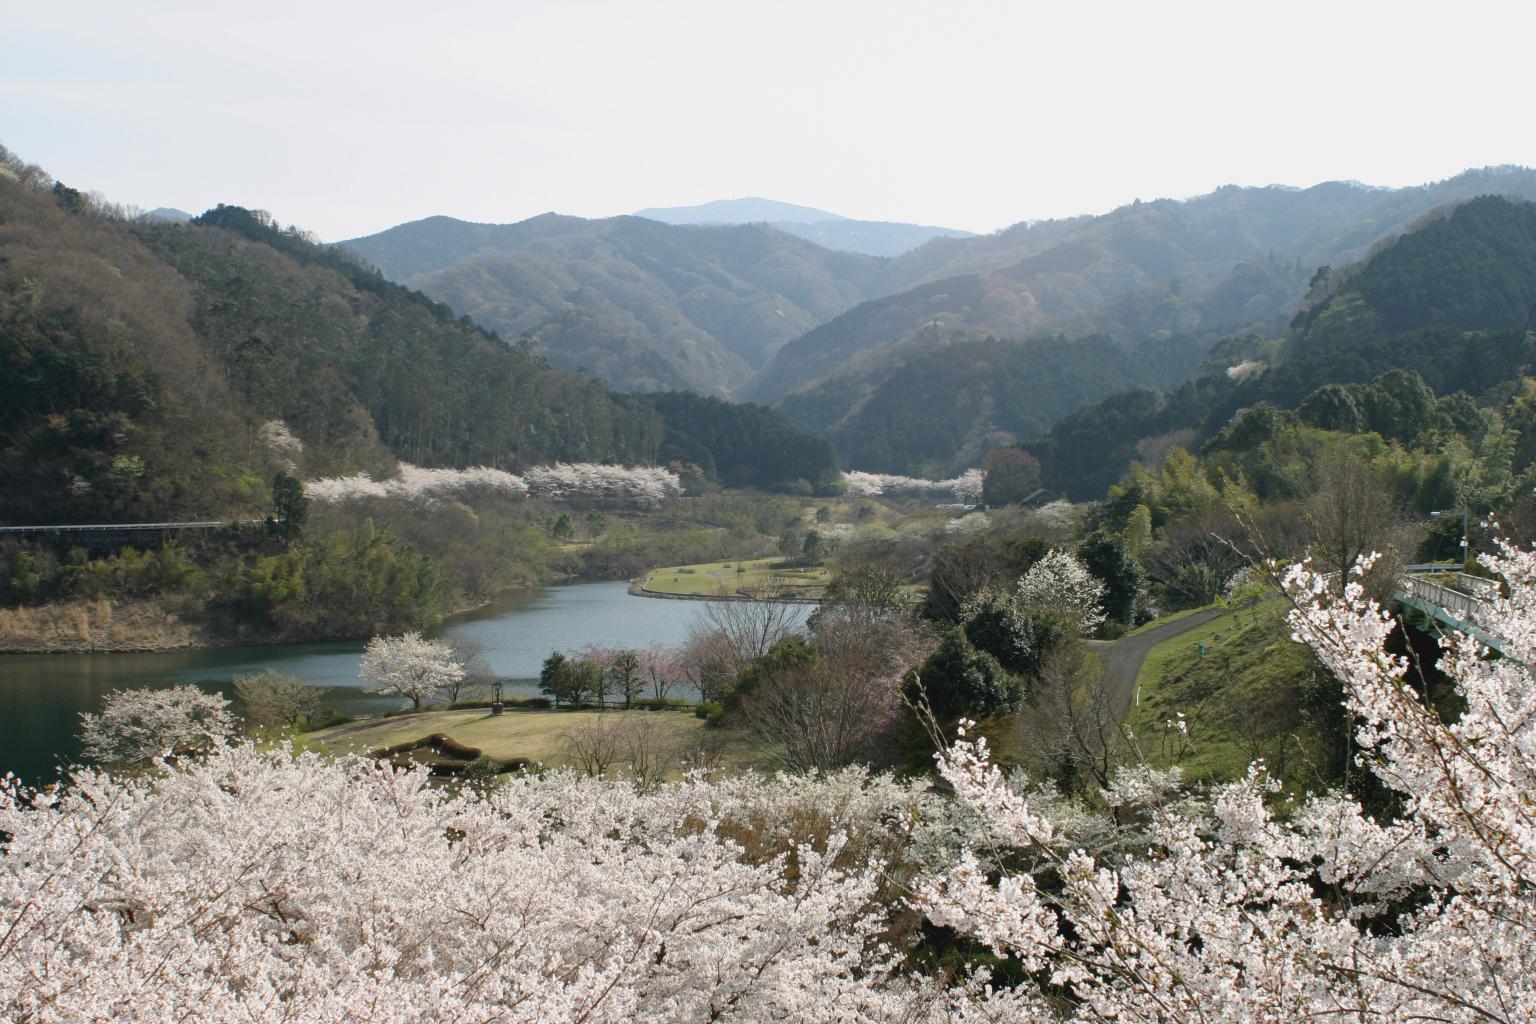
(42, 696)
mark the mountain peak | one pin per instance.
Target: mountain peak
(747, 210)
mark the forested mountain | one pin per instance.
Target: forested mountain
(1446, 302)
(742, 445)
(141, 359)
(1233, 260)
(144, 361)
(746, 311)
(645, 306)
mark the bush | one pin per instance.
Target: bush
(958, 679)
(711, 711)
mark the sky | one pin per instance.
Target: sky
(347, 118)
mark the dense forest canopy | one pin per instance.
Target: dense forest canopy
(143, 356)
(1446, 301)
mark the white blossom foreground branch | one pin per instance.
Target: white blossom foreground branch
(1323, 915)
(264, 886)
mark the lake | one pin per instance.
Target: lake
(42, 695)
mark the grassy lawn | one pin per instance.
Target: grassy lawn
(729, 578)
(1243, 700)
(1164, 620)
(536, 735)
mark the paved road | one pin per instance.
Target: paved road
(1122, 659)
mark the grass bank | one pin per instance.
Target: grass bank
(1253, 695)
(732, 578)
(540, 735)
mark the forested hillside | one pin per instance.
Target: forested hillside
(747, 311)
(145, 360)
(142, 358)
(1446, 301)
(643, 305)
(941, 411)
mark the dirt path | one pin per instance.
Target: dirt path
(1122, 659)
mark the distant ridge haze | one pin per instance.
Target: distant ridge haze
(749, 210)
(829, 230)
(767, 310)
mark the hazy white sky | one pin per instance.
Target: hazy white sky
(346, 118)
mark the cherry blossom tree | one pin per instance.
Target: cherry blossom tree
(136, 725)
(1062, 584)
(264, 884)
(260, 885)
(645, 486)
(409, 666)
(965, 488)
(1233, 910)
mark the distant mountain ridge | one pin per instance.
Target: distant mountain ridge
(646, 306)
(750, 210)
(1237, 260)
(749, 311)
(831, 230)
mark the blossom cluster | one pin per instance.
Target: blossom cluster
(966, 487)
(264, 885)
(136, 725)
(641, 485)
(283, 443)
(261, 884)
(1230, 910)
(1061, 583)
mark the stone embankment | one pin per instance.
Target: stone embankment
(95, 627)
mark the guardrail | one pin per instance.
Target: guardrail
(1463, 606)
(211, 524)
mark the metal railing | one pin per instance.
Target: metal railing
(211, 524)
(1463, 606)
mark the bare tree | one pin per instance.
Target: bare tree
(277, 699)
(1193, 561)
(643, 753)
(1072, 724)
(594, 745)
(704, 752)
(600, 744)
(836, 708)
(661, 666)
(707, 662)
(477, 679)
(750, 628)
(1352, 513)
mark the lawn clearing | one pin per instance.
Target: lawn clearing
(536, 735)
(1243, 701)
(730, 578)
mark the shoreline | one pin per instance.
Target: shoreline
(95, 627)
(637, 588)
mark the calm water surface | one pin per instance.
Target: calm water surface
(42, 696)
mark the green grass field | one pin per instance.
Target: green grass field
(730, 578)
(1242, 700)
(536, 735)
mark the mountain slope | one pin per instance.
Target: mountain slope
(645, 306)
(141, 361)
(1445, 302)
(1233, 260)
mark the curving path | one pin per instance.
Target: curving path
(1122, 659)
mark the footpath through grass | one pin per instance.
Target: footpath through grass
(536, 735)
(731, 578)
(1246, 699)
